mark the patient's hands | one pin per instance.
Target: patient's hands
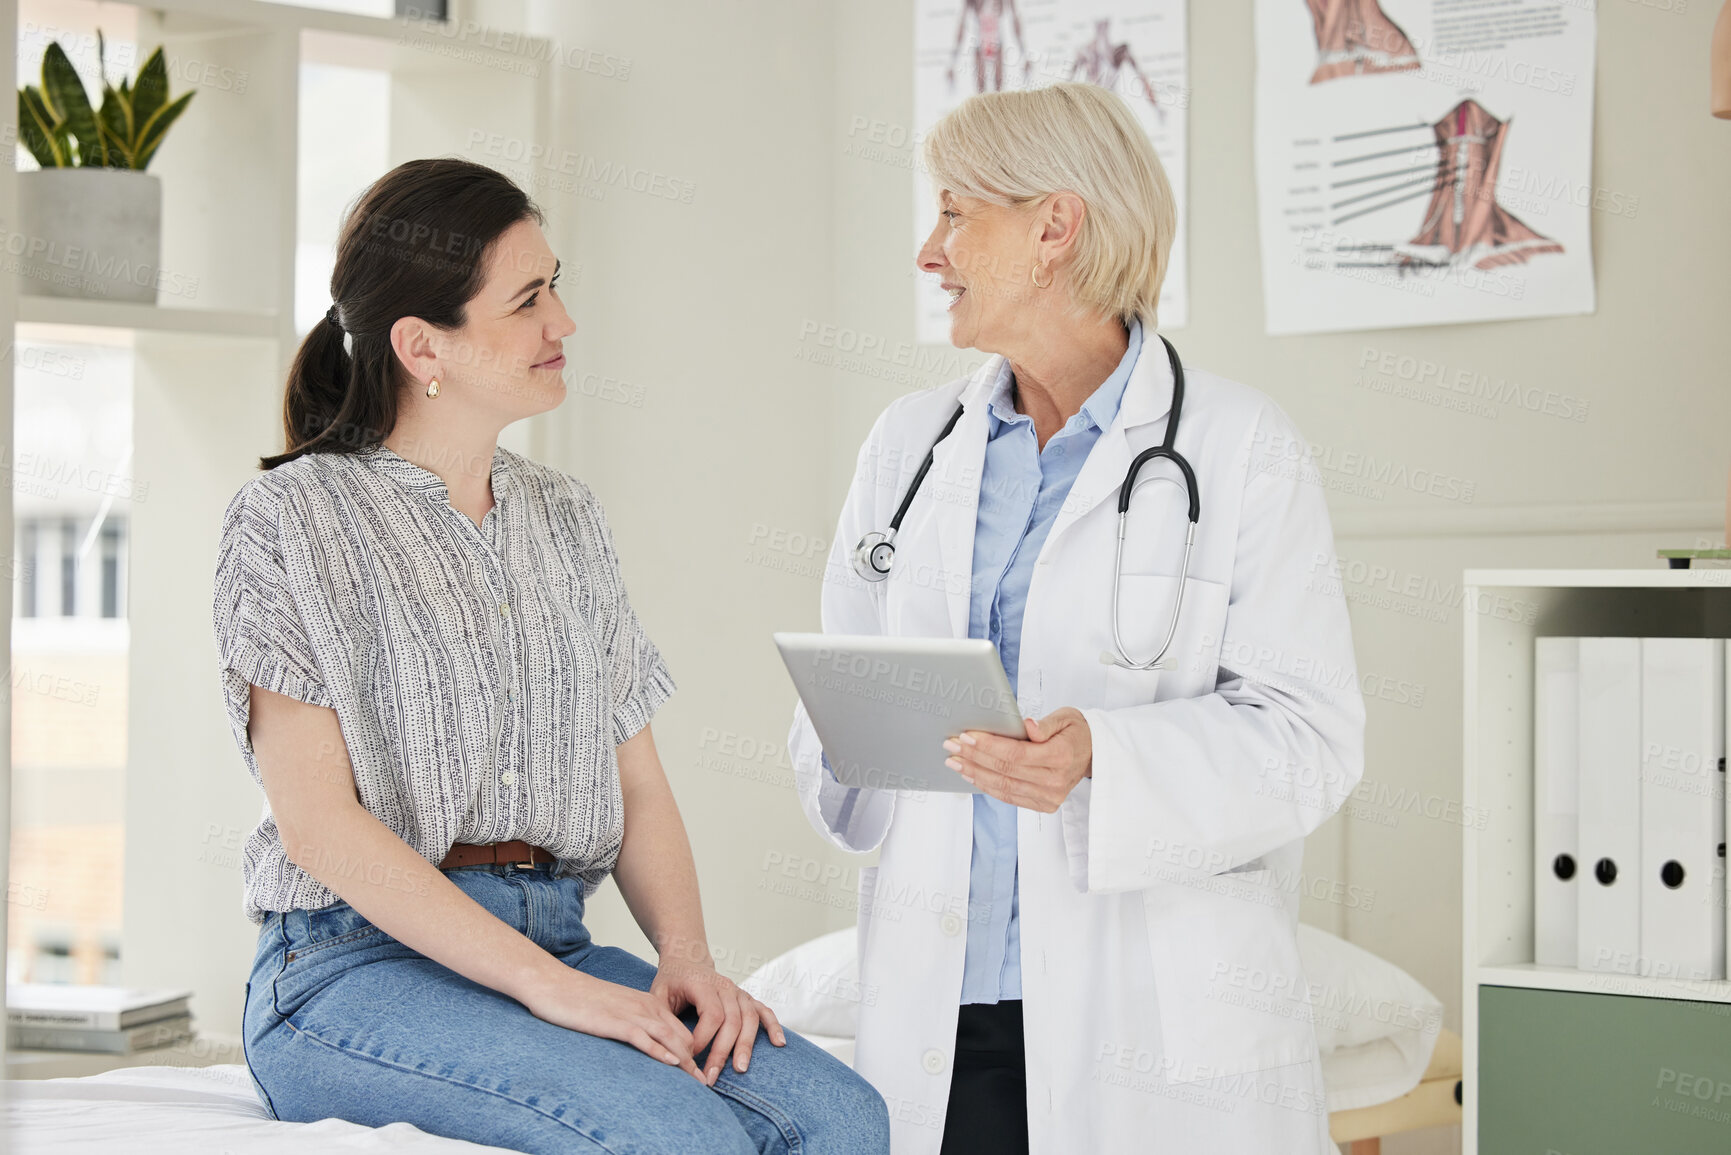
(726, 1015)
(581, 1002)
(1037, 774)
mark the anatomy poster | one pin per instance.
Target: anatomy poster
(1137, 48)
(1421, 162)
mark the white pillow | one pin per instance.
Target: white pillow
(814, 988)
(1375, 1024)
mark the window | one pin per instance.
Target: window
(70, 638)
(110, 570)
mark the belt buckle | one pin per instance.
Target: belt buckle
(530, 865)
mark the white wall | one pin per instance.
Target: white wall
(710, 309)
(691, 418)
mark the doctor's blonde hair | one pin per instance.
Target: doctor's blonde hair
(1015, 148)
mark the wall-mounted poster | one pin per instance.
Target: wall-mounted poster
(1137, 48)
(1420, 162)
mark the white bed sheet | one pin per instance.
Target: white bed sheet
(184, 1111)
(215, 1111)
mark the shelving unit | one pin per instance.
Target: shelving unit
(48, 318)
(1563, 1059)
(208, 365)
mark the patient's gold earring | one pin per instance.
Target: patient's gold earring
(1034, 275)
(433, 387)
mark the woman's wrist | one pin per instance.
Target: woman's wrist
(676, 949)
(534, 982)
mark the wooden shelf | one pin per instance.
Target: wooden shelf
(71, 312)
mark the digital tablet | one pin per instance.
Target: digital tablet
(882, 706)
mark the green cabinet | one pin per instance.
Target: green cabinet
(1572, 1073)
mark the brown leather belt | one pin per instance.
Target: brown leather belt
(516, 851)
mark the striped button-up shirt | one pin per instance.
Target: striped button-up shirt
(482, 675)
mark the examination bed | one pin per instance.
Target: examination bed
(1386, 1071)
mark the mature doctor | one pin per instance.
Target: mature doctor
(1097, 952)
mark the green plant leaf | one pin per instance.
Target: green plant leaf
(104, 139)
(150, 136)
(114, 156)
(61, 129)
(151, 91)
(36, 130)
(63, 94)
(116, 127)
(118, 154)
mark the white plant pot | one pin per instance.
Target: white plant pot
(88, 232)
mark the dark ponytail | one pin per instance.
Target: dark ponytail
(414, 245)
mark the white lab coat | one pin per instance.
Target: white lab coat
(1163, 1003)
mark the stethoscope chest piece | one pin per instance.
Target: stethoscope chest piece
(873, 555)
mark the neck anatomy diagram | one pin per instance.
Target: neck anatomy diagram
(1462, 224)
(1355, 37)
(1464, 219)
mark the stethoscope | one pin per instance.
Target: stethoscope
(876, 551)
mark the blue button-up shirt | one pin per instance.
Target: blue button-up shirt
(1022, 488)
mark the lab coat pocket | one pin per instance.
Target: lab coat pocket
(1146, 603)
(1130, 687)
(1231, 989)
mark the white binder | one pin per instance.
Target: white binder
(1556, 800)
(1682, 807)
(1608, 936)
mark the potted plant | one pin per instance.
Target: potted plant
(91, 219)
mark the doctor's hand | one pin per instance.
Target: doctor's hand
(1037, 774)
(726, 1015)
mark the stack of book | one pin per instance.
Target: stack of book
(113, 1020)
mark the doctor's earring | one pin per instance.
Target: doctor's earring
(1034, 276)
(433, 387)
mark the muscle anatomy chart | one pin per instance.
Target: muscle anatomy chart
(1356, 36)
(990, 19)
(1464, 222)
(1455, 188)
(1137, 48)
(1101, 61)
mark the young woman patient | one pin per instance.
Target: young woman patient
(433, 670)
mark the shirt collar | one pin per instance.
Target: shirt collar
(384, 460)
(1101, 407)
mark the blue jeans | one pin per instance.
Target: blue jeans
(343, 1020)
